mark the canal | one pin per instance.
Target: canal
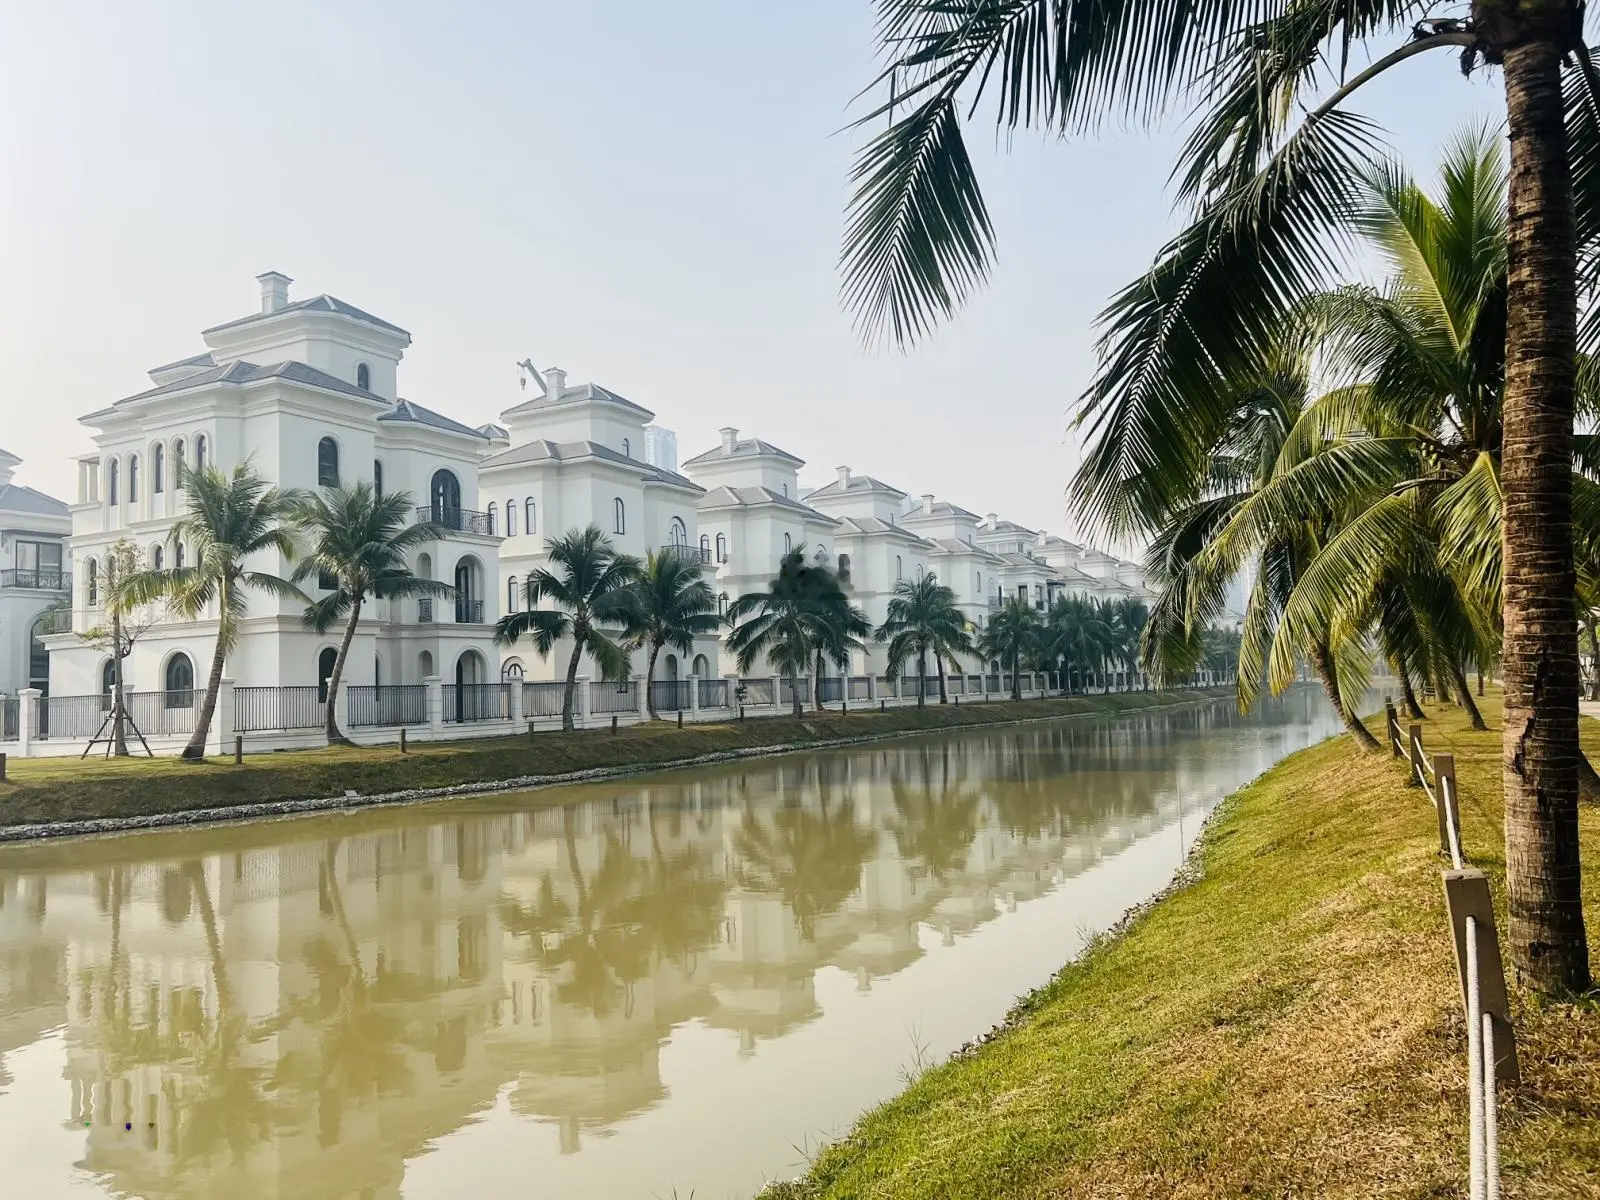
(669, 985)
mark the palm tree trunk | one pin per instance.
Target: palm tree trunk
(1016, 679)
(938, 665)
(1549, 949)
(1413, 709)
(119, 714)
(196, 749)
(1322, 661)
(650, 682)
(567, 723)
(922, 675)
(1594, 663)
(335, 738)
(1467, 702)
(816, 684)
(794, 694)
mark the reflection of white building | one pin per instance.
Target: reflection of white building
(35, 576)
(306, 392)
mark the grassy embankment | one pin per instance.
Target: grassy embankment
(66, 789)
(1287, 1026)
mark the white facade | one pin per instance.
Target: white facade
(35, 578)
(306, 392)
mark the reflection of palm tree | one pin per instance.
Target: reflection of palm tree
(935, 827)
(813, 859)
(678, 905)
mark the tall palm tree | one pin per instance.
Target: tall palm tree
(923, 617)
(594, 591)
(359, 542)
(671, 605)
(802, 614)
(228, 520)
(840, 628)
(1013, 633)
(1076, 638)
(1268, 171)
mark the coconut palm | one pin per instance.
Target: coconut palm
(1076, 638)
(1269, 170)
(839, 628)
(1013, 634)
(922, 617)
(359, 543)
(593, 585)
(801, 615)
(228, 520)
(670, 604)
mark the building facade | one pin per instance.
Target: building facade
(35, 578)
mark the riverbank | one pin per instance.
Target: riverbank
(54, 797)
(1286, 1025)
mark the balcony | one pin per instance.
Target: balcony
(457, 520)
(48, 579)
(699, 554)
(997, 601)
(469, 612)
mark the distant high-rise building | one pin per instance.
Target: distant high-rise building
(661, 448)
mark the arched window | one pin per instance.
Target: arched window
(444, 493)
(177, 557)
(844, 568)
(977, 582)
(705, 546)
(899, 569)
(325, 662)
(363, 377)
(619, 516)
(133, 478)
(530, 514)
(177, 461)
(627, 448)
(327, 463)
(179, 682)
(722, 604)
(200, 452)
(39, 654)
(158, 557)
(108, 677)
(377, 477)
(788, 544)
(91, 582)
(158, 469)
(919, 572)
(112, 482)
(511, 594)
(494, 512)
(511, 518)
(678, 532)
(511, 671)
(722, 548)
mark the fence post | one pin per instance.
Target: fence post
(402, 739)
(1466, 894)
(27, 719)
(613, 724)
(434, 703)
(222, 720)
(642, 698)
(872, 685)
(238, 749)
(516, 701)
(580, 702)
(1414, 752)
(2, 767)
(1444, 782)
(1391, 722)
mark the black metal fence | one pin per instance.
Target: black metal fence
(458, 520)
(386, 704)
(542, 698)
(50, 579)
(758, 690)
(464, 702)
(154, 714)
(713, 693)
(670, 695)
(260, 709)
(786, 688)
(163, 714)
(10, 718)
(72, 716)
(614, 697)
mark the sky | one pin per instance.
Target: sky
(648, 195)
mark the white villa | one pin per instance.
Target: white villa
(308, 392)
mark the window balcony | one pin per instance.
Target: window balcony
(697, 554)
(458, 520)
(47, 579)
(469, 612)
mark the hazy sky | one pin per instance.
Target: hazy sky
(649, 195)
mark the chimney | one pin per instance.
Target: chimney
(274, 290)
(555, 382)
(730, 438)
(990, 520)
(927, 502)
(844, 476)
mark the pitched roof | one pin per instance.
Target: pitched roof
(495, 433)
(544, 450)
(877, 525)
(858, 483)
(747, 497)
(16, 498)
(242, 372)
(577, 394)
(323, 303)
(950, 545)
(942, 510)
(1010, 527)
(411, 413)
(743, 448)
(194, 360)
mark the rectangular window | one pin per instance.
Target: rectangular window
(39, 556)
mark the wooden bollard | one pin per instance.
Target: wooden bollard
(1444, 784)
(530, 730)
(883, 705)
(2, 768)
(680, 718)
(1466, 894)
(1391, 723)
(238, 749)
(741, 712)
(1414, 749)
(613, 724)
(402, 739)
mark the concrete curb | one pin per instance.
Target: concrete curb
(351, 801)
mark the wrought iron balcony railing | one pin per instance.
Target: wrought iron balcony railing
(48, 579)
(457, 520)
(699, 554)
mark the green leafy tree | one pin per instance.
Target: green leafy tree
(593, 587)
(802, 614)
(126, 622)
(1268, 172)
(922, 618)
(229, 519)
(1012, 635)
(671, 605)
(358, 543)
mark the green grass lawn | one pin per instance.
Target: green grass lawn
(1288, 1026)
(67, 789)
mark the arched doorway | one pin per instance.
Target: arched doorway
(470, 703)
(444, 497)
(38, 656)
(325, 661)
(469, 592)
(702, 666)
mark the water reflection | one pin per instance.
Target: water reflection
(303, 1009)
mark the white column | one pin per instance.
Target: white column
(221, 731)
(516, 702)
(27, 719)
(434, 704)
(580, 702)
(641, 699)
(733, 692)
(694, 693)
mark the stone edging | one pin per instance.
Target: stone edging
(351, 800)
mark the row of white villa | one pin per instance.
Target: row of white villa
(308, 392)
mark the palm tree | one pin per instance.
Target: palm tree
(359, 544)
(1012, 634)
(594, 590)
(919, 618)
(228, 519)
(802, 613)
(1269, 168)
(671, 605)
(1076, 638)
(840, 626)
